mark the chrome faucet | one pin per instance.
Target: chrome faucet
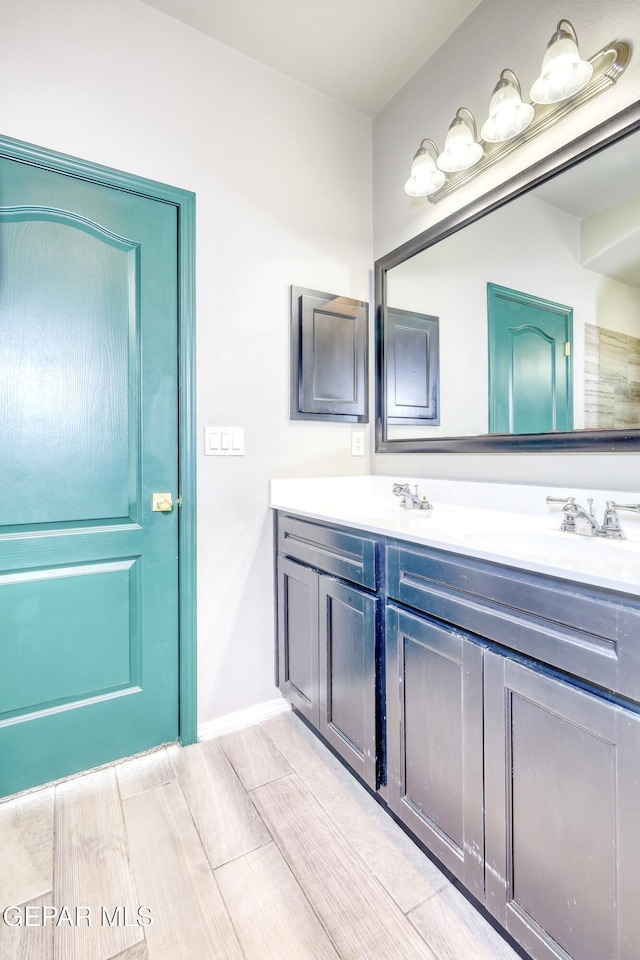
(576, 518)
(583, 522)
(412, 501)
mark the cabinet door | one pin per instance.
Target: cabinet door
(347, 633)
(562, 816)
(329, 351)
(298, 636)
(434, 740)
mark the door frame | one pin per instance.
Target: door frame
(185, 204)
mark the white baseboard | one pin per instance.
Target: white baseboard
(242, 718)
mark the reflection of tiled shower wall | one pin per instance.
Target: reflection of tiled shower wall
(612, 379)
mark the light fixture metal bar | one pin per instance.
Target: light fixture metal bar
(608, 65)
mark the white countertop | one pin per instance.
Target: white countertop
(505, 523)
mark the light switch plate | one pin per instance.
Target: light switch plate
(224, 441)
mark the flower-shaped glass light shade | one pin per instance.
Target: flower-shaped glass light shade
(425, 177)
(461, 148)
(563, 73)
(508, 115)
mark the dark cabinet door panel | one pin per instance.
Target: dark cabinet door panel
(434, 745)
(562, 835)
(412, 368)
(298, 636)
(348, 631)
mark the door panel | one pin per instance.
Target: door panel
(530, 382)
(562, 832)
(88, 421)
(298, 636)
(434, 739)
(50, 657)
(70, 393)
(348, 629)
(433, 746)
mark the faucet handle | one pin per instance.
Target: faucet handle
(633, 507)
(560, 499)
(611, 524)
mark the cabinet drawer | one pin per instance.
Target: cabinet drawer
(346, 555)
(587, 631)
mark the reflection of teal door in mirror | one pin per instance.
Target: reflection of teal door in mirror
(529, 363)
(88, 431)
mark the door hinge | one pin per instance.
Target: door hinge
(567, 348)
(179, 501)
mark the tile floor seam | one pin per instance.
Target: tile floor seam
(128, 850)
(200, 838)
(431, 896)
(208, 862)
(298, 883)
(237, 771)
(357, 852)
(359, 860)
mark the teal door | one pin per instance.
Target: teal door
(529, 363)
(88, 432)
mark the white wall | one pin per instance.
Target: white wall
(283, 184)
(499, 33)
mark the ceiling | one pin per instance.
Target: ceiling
(359, 52)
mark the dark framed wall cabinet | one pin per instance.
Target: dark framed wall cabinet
(329, 351)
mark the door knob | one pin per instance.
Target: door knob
(162, 503)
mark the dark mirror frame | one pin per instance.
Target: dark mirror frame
(595, 441)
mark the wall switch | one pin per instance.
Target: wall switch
(357, 443)
(224, 441)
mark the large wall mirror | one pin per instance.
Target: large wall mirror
(515, 323)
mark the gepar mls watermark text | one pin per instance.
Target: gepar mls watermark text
(50, 916)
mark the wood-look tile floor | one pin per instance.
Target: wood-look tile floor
(258, 845)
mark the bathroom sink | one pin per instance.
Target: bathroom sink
(548, 542)
(379, 511)
(611, 558)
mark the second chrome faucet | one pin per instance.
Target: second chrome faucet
(583, 522)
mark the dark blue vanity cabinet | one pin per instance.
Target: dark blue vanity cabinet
(512, 712)
(329, 636)
(514, 744)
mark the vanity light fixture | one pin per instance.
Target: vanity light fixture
(425, 177)
(566, 81)
(508, 115)
(461, 148)
(563, 72)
